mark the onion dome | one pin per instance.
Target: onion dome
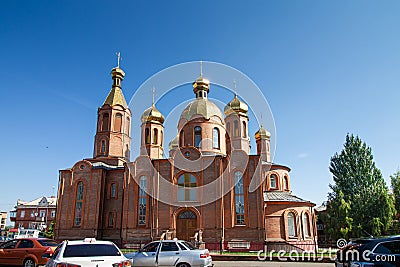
(237, 106)
(201, 84)
(174, 143)
(262, 134)
(152, 114)
(201, 107)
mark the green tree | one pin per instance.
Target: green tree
(359, 203)
(395, 181)
(49, 233)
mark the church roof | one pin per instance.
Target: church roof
(202, 107)
(152, 114)
(282, 196)
(116, 97)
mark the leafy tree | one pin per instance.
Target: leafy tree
(395, 181)
(359, 203)
(49, 233)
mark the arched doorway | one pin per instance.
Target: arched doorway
(186, 224)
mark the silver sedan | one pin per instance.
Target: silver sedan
(171, 253)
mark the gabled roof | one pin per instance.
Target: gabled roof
(277, 196)
(39, 202)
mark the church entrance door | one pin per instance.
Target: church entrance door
(186, 225)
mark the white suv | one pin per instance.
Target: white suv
(87, 253)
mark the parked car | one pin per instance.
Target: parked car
(87, 253)
(26, 252)
(384, 252)
(171, 253)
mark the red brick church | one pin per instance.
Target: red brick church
(200, 192)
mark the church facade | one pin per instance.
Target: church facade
(203, 191)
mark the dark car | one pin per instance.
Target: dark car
(384, 252)
(26, 252)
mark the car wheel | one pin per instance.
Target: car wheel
(29, 263)
(184, 264)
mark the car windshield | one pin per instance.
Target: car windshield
(189, 245)
(48, 242)
(91, 250)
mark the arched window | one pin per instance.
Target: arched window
(113, 190)
(118, 122)
(155, 136)
(273, 181)
(244, 130)
(187, 187)
(128, 125)
(182, 138)
(78, 204)
(142, 201)
(239, 198)
(197, 136)
(306, 225)
(228, 128)
(111, 220)
(104, 124)
(103, 147)
(161, 137)
(291, 221)
(215, 137)
(285, 183)
(235, 129)
(147, 136)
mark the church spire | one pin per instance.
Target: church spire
(201, 86)
(116, 97)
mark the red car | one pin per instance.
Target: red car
(26, 252)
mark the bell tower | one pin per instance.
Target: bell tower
(112, 139)
(152, 132)
(236, 122)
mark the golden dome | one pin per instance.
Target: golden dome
(262, 134)
(202, 107)
(152, 114)
(174, 143)
(201, 83)
(236, 105)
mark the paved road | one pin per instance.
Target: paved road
(269, 264)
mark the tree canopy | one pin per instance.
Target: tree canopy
(359, 203)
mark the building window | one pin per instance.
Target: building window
(235, 129)
(197, 136)
(147, 136)
(78, 204)
(118, 122)
(161, 137)
(285, 183)
(103, 147)
(228, 128)
(53, 214)
(244, 130)
(128, 125)
(215, 137)
(182, 138)
(42, 213)
(105, 122)
(239, 198)
(155, 136)
(22, 213)
(187, 187)
(272, 181)
(113, 190)
(142, 201)
(111, 219)
(32, 214)
(291, 221)
(306, 225)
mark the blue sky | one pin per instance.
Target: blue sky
(326, 68)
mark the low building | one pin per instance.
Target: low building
(35, 214)
(3, 220)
